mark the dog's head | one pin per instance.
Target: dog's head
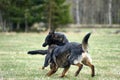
(49, 39)
(55, 38)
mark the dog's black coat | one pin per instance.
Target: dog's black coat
(54, 38)
(71, 50)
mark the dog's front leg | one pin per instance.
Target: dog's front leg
(64, 71)
(53, 70)
(47, 60)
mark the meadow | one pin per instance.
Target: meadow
(16, 64)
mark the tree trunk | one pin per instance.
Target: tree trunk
(1, 22)
(49, 16)
(77, 12)
(11, 26)
(18, 25)
(26, 25)
(4, 29)
(110, 12)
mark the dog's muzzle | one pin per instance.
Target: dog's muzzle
(44, 44)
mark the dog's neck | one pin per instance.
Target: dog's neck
(51, 48)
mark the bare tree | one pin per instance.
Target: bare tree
(110, 12)
(0, 19)
(77, 12)
(50, 16)
(26, 20)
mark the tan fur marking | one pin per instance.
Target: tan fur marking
(64, 71)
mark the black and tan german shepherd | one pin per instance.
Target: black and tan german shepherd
(71, 53)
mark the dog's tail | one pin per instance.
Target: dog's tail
(85, 42)
(41, 52)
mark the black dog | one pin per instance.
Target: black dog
(70, 54)
(57, 38)
(54, 38)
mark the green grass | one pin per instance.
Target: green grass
(16, 64)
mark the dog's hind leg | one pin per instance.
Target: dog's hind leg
(92, 68)
(79, 69)
(64, 71)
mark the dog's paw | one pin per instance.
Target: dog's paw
(48, 74)
(92, 75)
(76, 74)
(43, 68)
(61, 76)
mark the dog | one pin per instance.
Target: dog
(71, 53)
(52, 38)
(56, 38)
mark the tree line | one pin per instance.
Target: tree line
(20, 15)
(95, 11)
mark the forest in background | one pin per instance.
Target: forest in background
(21, 15)
(96, 11)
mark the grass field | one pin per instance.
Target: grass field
(16, 64)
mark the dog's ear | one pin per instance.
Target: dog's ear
(52, 32)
